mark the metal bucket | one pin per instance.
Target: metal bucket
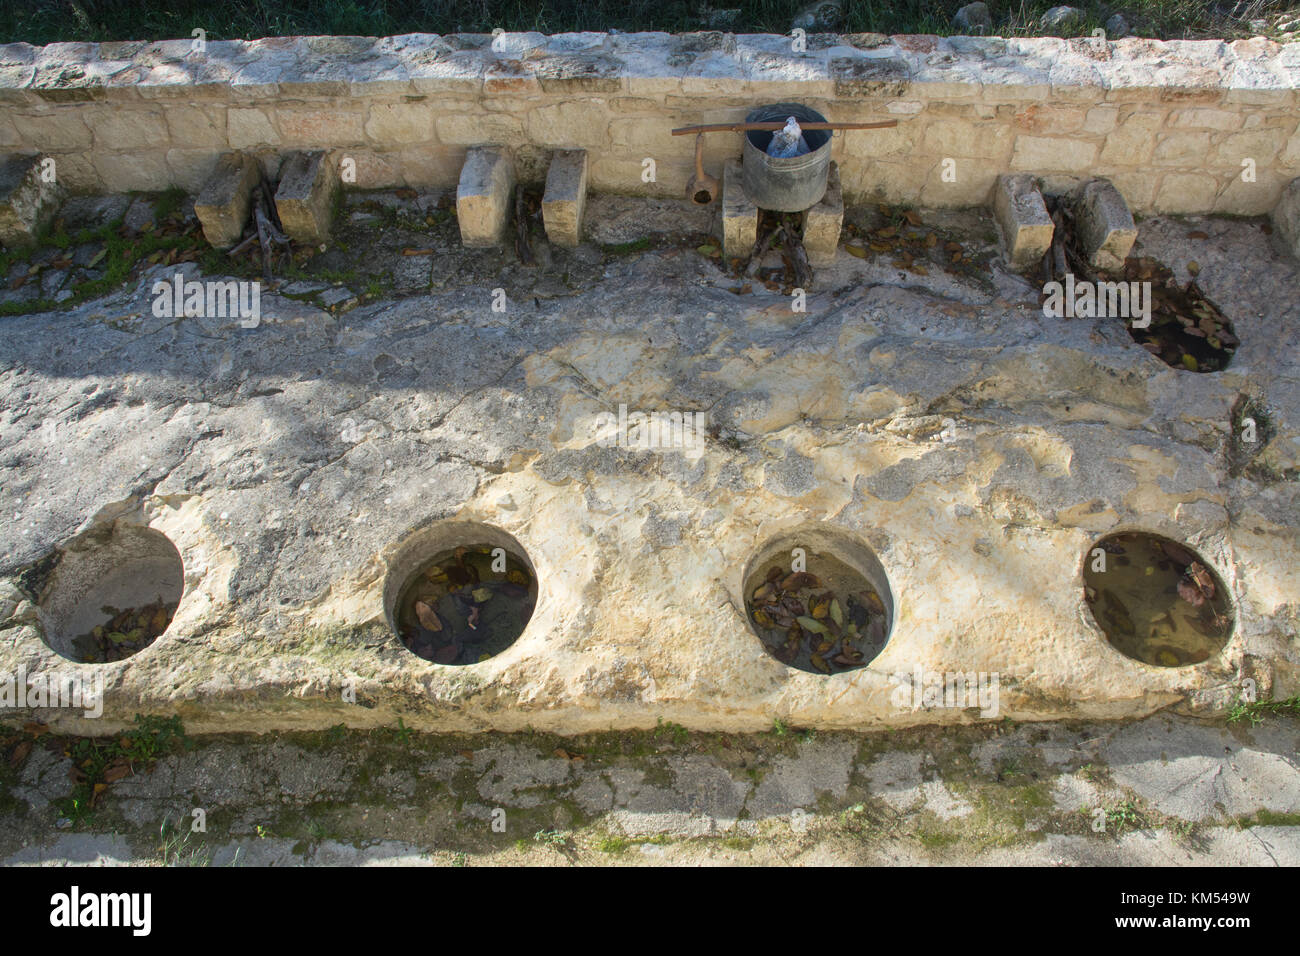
(786, 185)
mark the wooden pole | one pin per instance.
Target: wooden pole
(745, 127)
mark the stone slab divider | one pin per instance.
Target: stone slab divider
(1178, 126)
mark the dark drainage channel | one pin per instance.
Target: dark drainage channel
(818, 601)
(1157, 601)
(1177, 323)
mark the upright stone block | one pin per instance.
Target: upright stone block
(485, 195)
(1286, 217)
(304, 200)
(1022, 216)
(822, 223)
(565, 199)
(223, 203)
(739, 215)
(1105, 225)
(28, 200)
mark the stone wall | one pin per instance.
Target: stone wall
(1171, 123)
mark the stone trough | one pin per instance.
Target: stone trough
(970, 451)
(634, 427)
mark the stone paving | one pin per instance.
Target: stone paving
(1162, 791)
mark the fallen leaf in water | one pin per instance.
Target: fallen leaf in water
(872, 600)
(1190, 363)
(428, 617)
(837, 615)
(446, 654)
(800, 580)
(809, 624)
(820, 607)
(1190, 593)
(762, 619)
(857, 251)
(819, 663)
(481, 594)
(515, 576)
(1202, 578)
(763, 593)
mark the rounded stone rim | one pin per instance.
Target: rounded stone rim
(417, 548)
(53, 636)
(847, 547)
(1091, 622)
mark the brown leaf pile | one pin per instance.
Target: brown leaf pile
(805, 625)
(1187, 330)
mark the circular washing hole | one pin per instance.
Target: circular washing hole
(460, 593)
(1157, 601)
(819, 601)
(111, 593)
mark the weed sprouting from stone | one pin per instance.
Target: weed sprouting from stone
(1254, 712)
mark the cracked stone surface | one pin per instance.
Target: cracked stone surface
(911, 797)
(974, 445)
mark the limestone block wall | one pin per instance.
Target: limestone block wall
(1201, 126)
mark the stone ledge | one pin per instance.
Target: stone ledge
(607, 64)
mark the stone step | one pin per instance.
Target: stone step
(223, 203)
(739, 215)
(822, 223)
(1105, 226)
(1286, 217)
(1022, 217)
(565, 201)
(28, 200)
(485, 196)
(306, 197)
